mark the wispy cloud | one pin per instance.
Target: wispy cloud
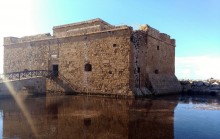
(198, 67)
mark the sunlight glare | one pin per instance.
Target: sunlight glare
(21, 105)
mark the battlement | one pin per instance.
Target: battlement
(11, 40)
(84, 23)
(89, 26)
(156, 34)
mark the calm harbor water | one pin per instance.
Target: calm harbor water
(82, 117)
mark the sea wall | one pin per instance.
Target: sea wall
(164, 84)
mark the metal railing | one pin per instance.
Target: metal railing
(53, 75)
(25, 75)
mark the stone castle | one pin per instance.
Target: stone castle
(99, 58)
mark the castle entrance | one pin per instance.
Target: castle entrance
(55, 70)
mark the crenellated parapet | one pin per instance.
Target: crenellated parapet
(90, 26)
(10, 40)
(15, 40)
(157, 34)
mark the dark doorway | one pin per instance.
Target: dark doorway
(55, 70)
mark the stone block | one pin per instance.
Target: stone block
(106, 61)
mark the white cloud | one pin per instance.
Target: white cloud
(198, 67)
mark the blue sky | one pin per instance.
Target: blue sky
(195, 24)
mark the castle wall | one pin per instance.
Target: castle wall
(160, 53)
(19, 57)
(154, 55)
(34, 55)
(109, 55)
(108, 52)
(121, 60)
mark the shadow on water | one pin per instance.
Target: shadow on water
(91, 117)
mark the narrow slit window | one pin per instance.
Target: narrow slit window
(131, 39)
(139, 70)
(158, 47)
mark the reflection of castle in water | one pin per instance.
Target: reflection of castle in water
(83, 117)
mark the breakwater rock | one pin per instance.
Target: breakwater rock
(204, 87)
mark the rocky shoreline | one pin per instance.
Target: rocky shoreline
(203, 87)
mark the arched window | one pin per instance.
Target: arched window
(88, 67)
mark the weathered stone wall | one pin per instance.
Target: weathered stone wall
(27, 86)
(35, 55)
(154, 53)
(59, 86)
(164, 84)
(18, 57)
(109, 55)
(160, 53)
